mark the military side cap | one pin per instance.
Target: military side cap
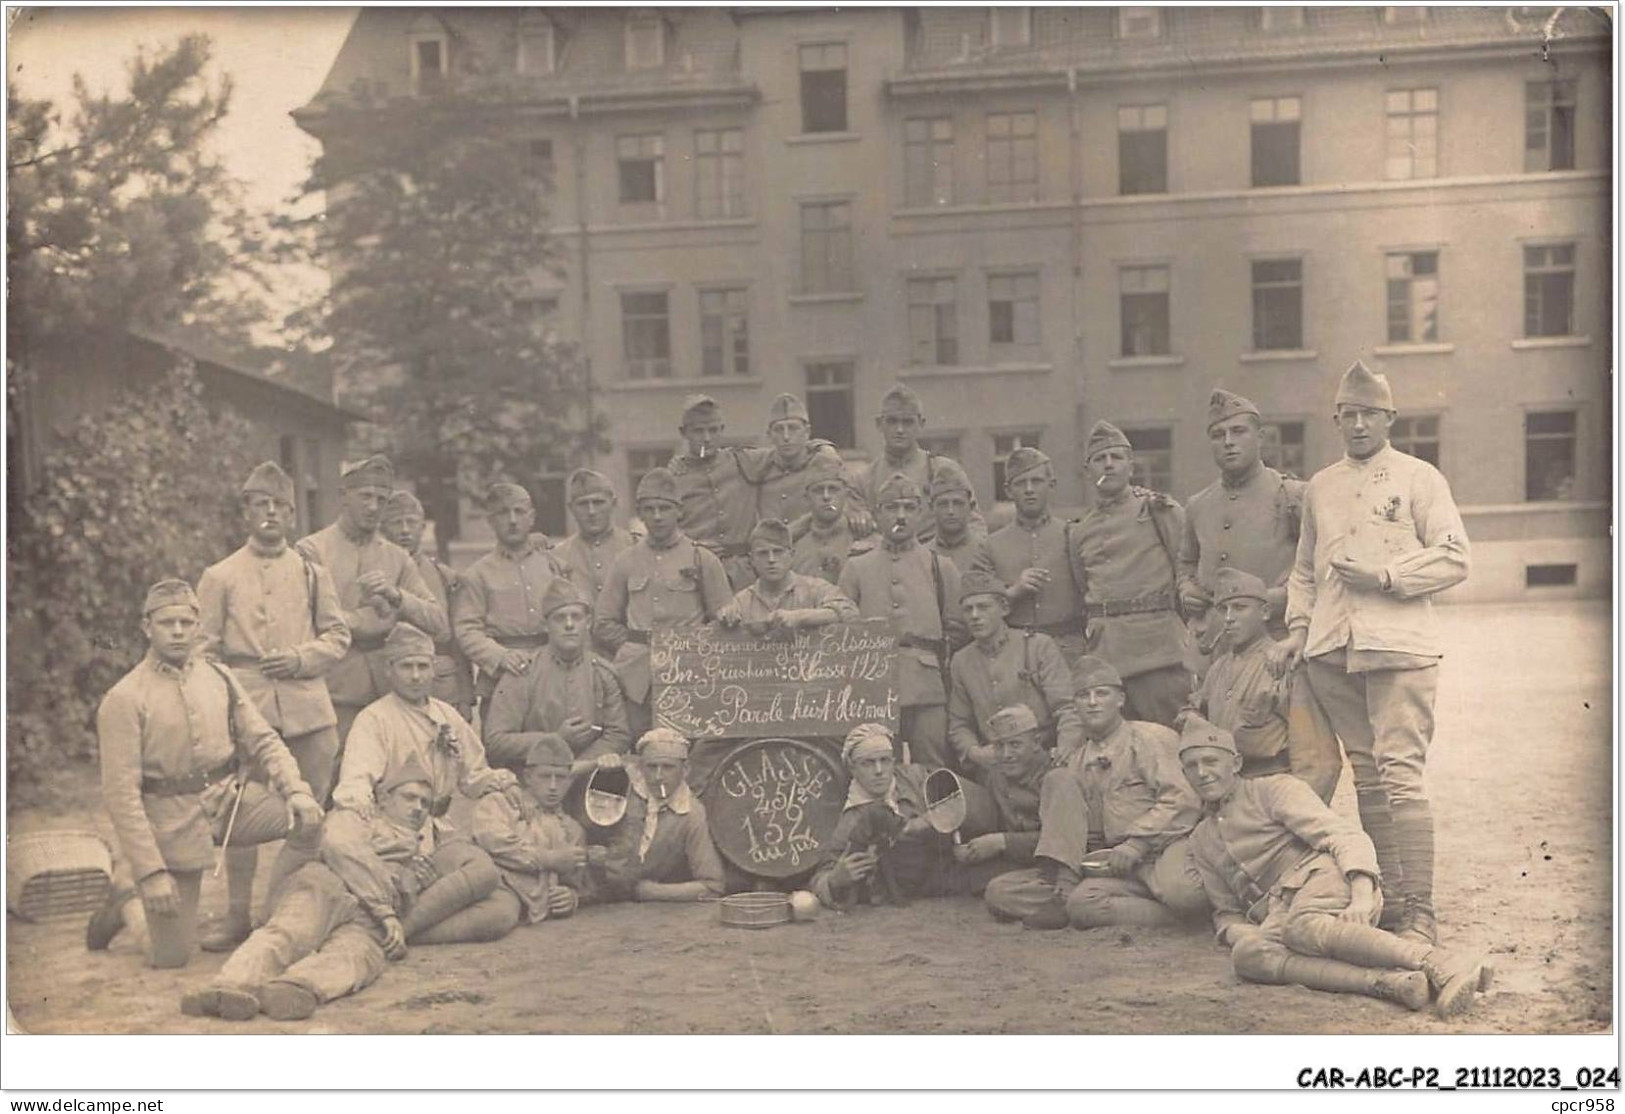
(897, 486)
(405, 641)
(407, 772)
(269, 479)
(1022, 461)
(402, 501)
(166, 593)
(1091, 672)
(822, 468)
(561, 591)
(585, 481)
(658, 483)
(784, 407)
(375, 471)
(549, 750)
(700, 406)
(663, 742)
(774, 530)
(902, 400)
(1007, 723)
(947, 475)
(1105, 436)
(1198, 732)
(1360, 386)
(1233, 584)
(976, 582)
(863, 739)
(1222, 405)
(500, 496)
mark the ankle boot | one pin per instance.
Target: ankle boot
(1413, 834)
(1408, 988)
(287, 1001)
(1456, 978)
(1419, 925)
(106, 921)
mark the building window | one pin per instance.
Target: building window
(1142, 148)
(1277, 305)
(1012, 309)
(1139, 23)
(719, 173)
(1144, 298)
(830, 408)
(645, 43)
(933, 321)
(430, 61)
(1012, 156)
(537, 310)
(536, 44)
(1282, 448)
(1548, 133)
(646, 325)
(1010, 26)
(1550, 576)
(823, 87)
(1281, 19)
(640, 462)
(826, 247)
(1413, 133)
(1417, 435)
(1153, 457)
(1549, 455)
(928, 161)
(1413, 297)
(724, 333)
(1548, 290)
(1003, 445)
(941, 444)
(539, 154)
(641, 160)
(1275, 140)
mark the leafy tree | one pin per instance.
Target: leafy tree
(435, 221)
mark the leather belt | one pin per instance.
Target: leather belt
(915, 642)
(726, 549)
(188, 784)
(1280, 763)
(1162, 600)
(1067, 626)
(521, 641)
(242, 661)
(641, 637)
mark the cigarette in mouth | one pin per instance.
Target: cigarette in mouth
(1101, 480)
(662, 790)
(267, 524)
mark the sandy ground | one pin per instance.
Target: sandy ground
(1521, 783)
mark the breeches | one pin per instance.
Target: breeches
(1169, 879)
(924, 727)
(317, 753)
(316, 937)
(1385, 719)
(1157, 695)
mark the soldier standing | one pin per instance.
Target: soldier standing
(403, 524)
(715, 488)
(826, 540)
(273, 619)
(587, 554)
(953, 504)
(1381, 535)
(901, 421)
(781, 472)
(1125, 547)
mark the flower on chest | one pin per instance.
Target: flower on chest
(1390, 508)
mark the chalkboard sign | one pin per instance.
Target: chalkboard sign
(773, 804)
(717, 683)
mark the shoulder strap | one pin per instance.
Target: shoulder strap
(1027, 668)
(699, 581)
(233, 701)
(1170, 549)
(1073, 558)
(310, 589)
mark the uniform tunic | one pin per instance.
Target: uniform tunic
(782, 491)
(535, 706)
(961, 551)
(801, 593)
(389, 730)
(1124, 556)
(677, 847)
(516, 836)
(363, 675)
(587, 563)
(257, 602)
(924, 469)
(656, 588)
(1057, 607)
(453, 676)
(824, 553)
(162, 722)
(1135, 789)
(499, 607)
(1020, 668)
(1252, 526)
(897, 583)
(718, 496)
(1263, 840)
(368, 853)
(1240, 695)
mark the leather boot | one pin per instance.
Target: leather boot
(446, 896)
(105, 922)
(1419, 925)
(1455, 978)
(1413, 834)
(1365, 946)
(1408, 988)
(287, 1001)
(237, 1003)
(1377, 818)
(224, 934)
(1052, 914)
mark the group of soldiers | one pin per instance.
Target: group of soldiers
(1141, 708)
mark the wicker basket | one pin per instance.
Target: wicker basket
(760, 910)
(56, 874)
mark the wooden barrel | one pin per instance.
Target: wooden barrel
(773, 803)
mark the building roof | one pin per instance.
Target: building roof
(294, 374)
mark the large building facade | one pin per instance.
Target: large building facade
(1038, 217)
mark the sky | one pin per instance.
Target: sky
(276, 57)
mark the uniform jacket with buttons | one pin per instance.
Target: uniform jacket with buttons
(717, 495)
(824, 553)
(1240, 695)
(925, 469)
(896, 583)
(781, 491)
(390, 730)
(1252, 526)
(501, 599)
(1017, 547)
(654, 588)
(1026, 667)
(525, 710)
(1134, 787)
(1126, 550)
(453, 676)
(587, 563)
(516, 834)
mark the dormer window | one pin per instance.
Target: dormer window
(1010, 26)
(645, 42)
(429, 55)
(1281, 19)
(1139, 23)
(538, 44)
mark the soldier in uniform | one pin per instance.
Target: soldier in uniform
(825, 540)
(952, 504)
(497, 615)
(664, 582)
(1043, 823)
(1294, 889)
(1381, 536)
(675, 858)
(587, 554)
(781, 599)
(403, 524)
(1002, 668)
(1031, 556)
(1242, 696)
(901, 420)
(378, 585)
(175, 735)
(919, 592)
(1140, 814)
(781, 471)
(716, 487)
(1125, 548)
(273, 618)
(568, 693)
